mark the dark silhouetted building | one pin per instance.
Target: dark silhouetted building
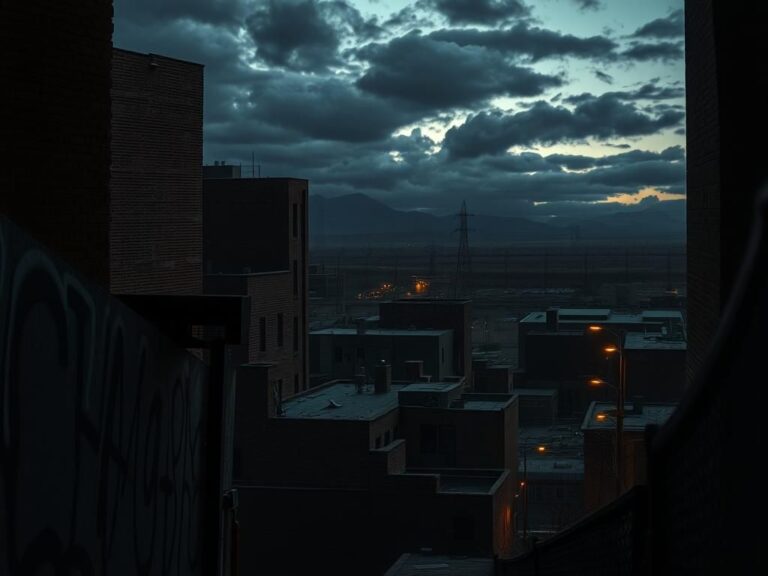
(255, 244)
(156, 199)
(431, 314)
(599, 428)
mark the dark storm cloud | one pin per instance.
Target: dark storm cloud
(477, 11)
(534, 43)
(435, 74)
(321, 107)
(293, 34)
(601, 117)
(210, 11)
(306, 34)
(672, 26)
(663, 51)
(580, 162)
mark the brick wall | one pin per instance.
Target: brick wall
(156, 206)
(55, 58)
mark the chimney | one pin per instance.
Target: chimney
(552, 314)
(414, 370)
(383, 379)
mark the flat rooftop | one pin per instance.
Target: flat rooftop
(555, 467)
(467, 484)
(341, 401)
(535, 391)
(429, 565)
(580, 316)
(379, 332)
(639, 341)
(656, 413)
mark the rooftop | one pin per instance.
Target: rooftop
(380, 332)
(341, 401)
(639, 341)
(428, 565)
(579, 316)
(633, 421)
(535, 391)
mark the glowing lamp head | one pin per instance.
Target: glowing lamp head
(601, 417)
(596, 382)
(610, 349)
(541, 449)
(594, 328)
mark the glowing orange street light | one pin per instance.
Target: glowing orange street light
(596, 382)
(601, 416)
(595, 328)
(541, 449)
(611, 349)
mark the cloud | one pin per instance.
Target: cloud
(535, 43)
(306, 34)
(648, 91)
(664, 51)
(601, 117)
(477, 11)
(207, 11)
(603, 76)
(673, 26)
(588, 4)
(434, 74)
(325, 108)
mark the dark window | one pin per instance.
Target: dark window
(295, 278)
(378, 441)
(279, 329)
(295, 220)
(262, 334)
(387, 437)
(295, 383)
(295, 333)
(428, 439)
(337, 354)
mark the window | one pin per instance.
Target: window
(295, 333)
(280, 330)
(295, 220)
(262, 334)
(295, 278)
(387, 437)
(428, 442)
(378, 442)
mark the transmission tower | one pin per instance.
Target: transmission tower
(462, 286)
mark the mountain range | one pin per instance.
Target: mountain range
(356, 219)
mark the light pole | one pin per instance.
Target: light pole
(540, 449)
(620, 396)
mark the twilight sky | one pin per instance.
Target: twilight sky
(522, 108)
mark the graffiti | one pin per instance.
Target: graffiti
(101, 429)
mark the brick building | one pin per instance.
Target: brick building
(255, 244)
(156, 231)
(56, 88)
(346, 447)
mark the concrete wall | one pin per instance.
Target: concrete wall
(435, 351)
(156, 230)
(103, 459)
(723, 174)
(55, 58)
(424, 314)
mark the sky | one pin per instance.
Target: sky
(521, 108)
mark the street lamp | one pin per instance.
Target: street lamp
(621, 390)
(540, 449)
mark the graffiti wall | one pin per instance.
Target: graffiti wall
(101, 429)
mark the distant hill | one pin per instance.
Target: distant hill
(359, 219)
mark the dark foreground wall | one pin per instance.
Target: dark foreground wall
(102, 424)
